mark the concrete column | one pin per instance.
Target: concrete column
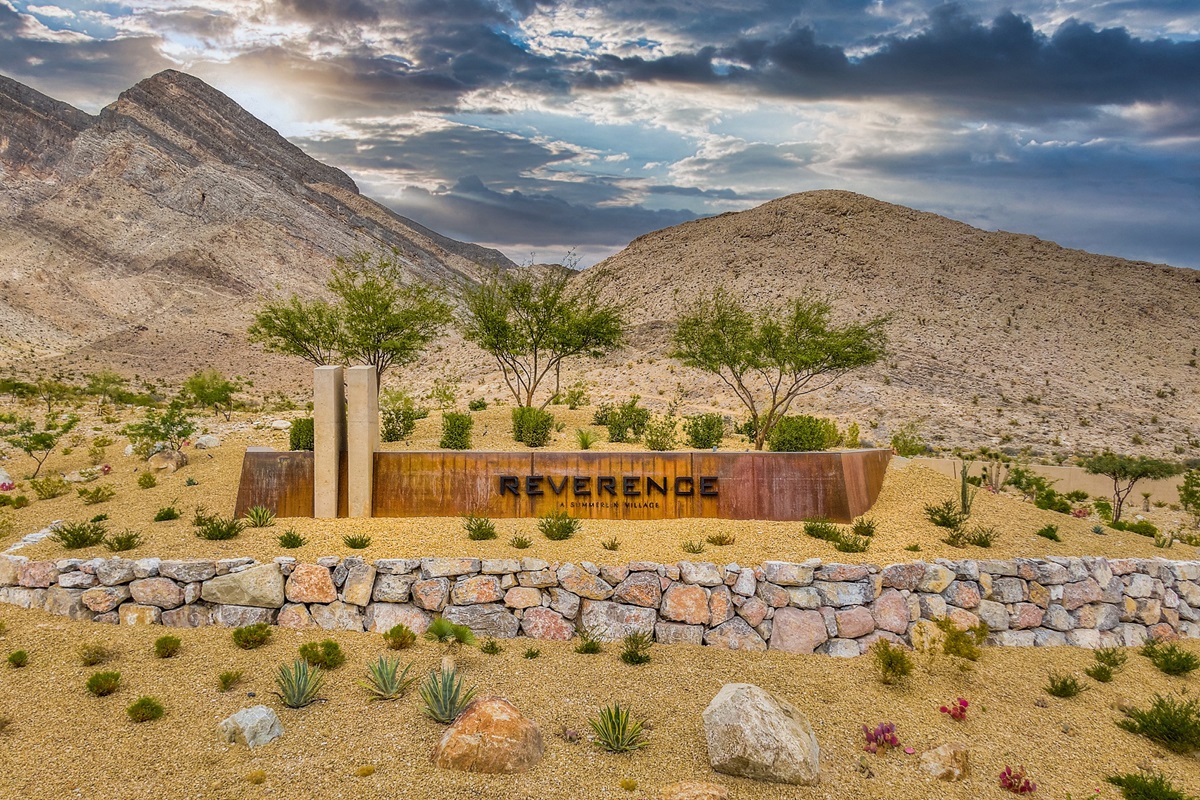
(362, 437)
(329, 438)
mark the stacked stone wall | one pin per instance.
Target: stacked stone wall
(805, 607)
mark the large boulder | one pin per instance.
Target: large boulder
(753, 734)
(490, 736)
(261, 586)
(253, 727)
(166, 461)
(485, 619)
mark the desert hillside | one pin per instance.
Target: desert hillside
(994, 335)
(144, 236)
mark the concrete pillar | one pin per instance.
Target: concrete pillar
(362, 437)
(329, 438)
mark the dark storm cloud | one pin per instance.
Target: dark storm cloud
(332, 10)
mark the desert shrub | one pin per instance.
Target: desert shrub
(479, 528)
(96, 495)
(300, 435)
(491, 647)
(326, 654)
(92, 654)
(385, 681)
(357, 541)
(589, 643)
(18, 659)
(1103, 508)
(962, 643)
(1170, 658)
(660, 434)
(146, 480)
(253, 636)
(1064, 686)
(297, 686)
(557, 525)
(478, 404)
(102, 684)
(166, 646)
(611, 543)
(703, 431)
(532, 426)
(260, 517)
(585, 438)
(851, 439)
(169, 428)
(166, 514)
(616, 731)
(803, 433)
(290, 540)
(1050, 500)
(531, 652)
(822, 529)
(1141, 527)
(13, 501)
(722, 539)
(145, 709)
(893, 661)
(625, 422)
(946, 515)
(398, 416)
(1146, 786)
(50, 487)
(1076, 496)
(1112, 657)
(851, 544)
(907, 440)
(1101, 673)
(219, 529)
(125, 540)
(442, 696)
(76, 535)
(863, 527)
(1175, 724)
(635, 648)
(399, 637)
(576, 395)
(443, 631)
(520, 542)
(1049, 532)
(227, 680)
(456, 431)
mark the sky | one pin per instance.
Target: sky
(543, 127)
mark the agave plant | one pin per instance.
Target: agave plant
(443, 696)
(299, 683)
(616, 731)
(385, 681)
(260, 517)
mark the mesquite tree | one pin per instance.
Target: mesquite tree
(1126, 471)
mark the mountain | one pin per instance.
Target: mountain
(996, 338)
(147, 234)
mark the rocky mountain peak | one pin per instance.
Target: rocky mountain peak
(35, 129)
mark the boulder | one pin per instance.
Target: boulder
(296, 617)
(796, 631)
(310, 583)
(431, 594)
(485, 619)
(360, 580)
(391, 588)
(542, 623)
(207, 442)
(614, 621)
(685, 603)
(753, 734)
(162, 592)
(490, 736)
(166, 461)
(337, 616)
(736, 634)
(640, 589)
(583, 583)
(253, 727)
(382, 617)
(261, 586)
(241, 616)
(693, 791)
(67, 603)
(189, 616)
(134, 614)
(102, 599)
(188, 571)
(476, 590)
(950, 762)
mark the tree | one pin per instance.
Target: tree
(770, 358)
(534, 322)
(24, 435)
(52, 391)
(1126, 471)
(209, 387)
(375, 319)
(104, 385)
(169, 428)
(1189, 494)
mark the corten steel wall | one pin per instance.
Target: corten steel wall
(769, 486)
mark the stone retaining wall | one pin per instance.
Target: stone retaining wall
(836, 609)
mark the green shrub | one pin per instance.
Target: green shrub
(907, 440)
(479, 528)
(722, 539)
(456, 431)
(219, 529)
(14, 501)
(166, 514)
(169, 428)
(983, 537)
(92, 654)
(589, 643)
(145, 709)
(616, 732)
(1141, 527)
(893, 661)
(851, 544)
(1049, 532)
(18, 659)
(491, 647)
(946, 515)
(398, 416)
(443, 631)
(532, 426)
(478, 404)
(1101, 673)
(803, 433)
(636, 648)
(166, 646)
(626, 422)
(1170, 658)
(298, 684)
(1146, 786)
(357, 541)
(1175, 724)
(326, 654)
(1112, 657)
(1103, 508)
(227, 680)
(76, 535)
(300, 435)
(659, 434)
(49, 487)
(1064, 686)
(1050, 500)
(125, 540)
(520, 542)
(531, 653)
(863, 527)
(962, 643)
(102, 684)
(442, 696)
(558, 525)
(290, 540)
(399, 637)
(822, 529)
(576, 395)
(146, 480)
(385, 681)
(703, 431)
(96, 495)
(260, 517)
(250, 637)
(585, 438)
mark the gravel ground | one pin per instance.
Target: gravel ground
(62, 742)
